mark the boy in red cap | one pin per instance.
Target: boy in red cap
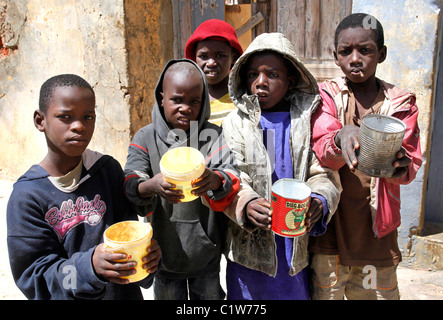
(215, 48)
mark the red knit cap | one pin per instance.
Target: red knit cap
(212, 29)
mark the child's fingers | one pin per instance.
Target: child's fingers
(260, 220)
(259, 213)
(348, 153)
(151, 260)
(201, 190)
(114, 271)
(314, 213)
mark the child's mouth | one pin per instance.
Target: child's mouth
(211, 74)
(184, 121)
(357, 72)
(262, 95)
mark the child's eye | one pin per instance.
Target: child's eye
(274, 75)
(252, 75)
(365, 50)
(64, 116)
(195, 101)
(89, 117)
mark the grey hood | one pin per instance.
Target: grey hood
(264, 42)
(163, 130)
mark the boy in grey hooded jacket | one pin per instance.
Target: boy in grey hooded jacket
(190, 234)
(262, 265)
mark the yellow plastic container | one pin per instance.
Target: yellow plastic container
(183, 166)
(132, 238)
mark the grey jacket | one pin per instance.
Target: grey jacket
(252, 247)
(190, 234)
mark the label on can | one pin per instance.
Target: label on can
(288, 217)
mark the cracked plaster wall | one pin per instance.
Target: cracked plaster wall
(88, 38)
(411, 36)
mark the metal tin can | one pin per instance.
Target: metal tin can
(380, 139)
(290, 200)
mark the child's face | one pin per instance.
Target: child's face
(267, 76)
(215, 58)
(69, 121)
(182, 99)
(357, 54)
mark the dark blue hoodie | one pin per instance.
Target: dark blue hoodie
(52, 233)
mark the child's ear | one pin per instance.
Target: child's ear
(163, 96)
(39, 120)
(335, 58)
(383, 54)
(292, 81)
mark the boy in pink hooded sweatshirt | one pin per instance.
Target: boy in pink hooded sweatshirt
(362, 235)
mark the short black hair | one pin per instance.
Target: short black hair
(362, 20)
(61, 80)
(183, 67)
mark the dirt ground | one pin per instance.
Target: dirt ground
(414, 284)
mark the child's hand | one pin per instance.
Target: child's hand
(159, 186)
(109, 266)
(314, 213)
(401, 164)
(208, 180)
(106, 265)
(259, 213)
(346, 140)
(151, 260)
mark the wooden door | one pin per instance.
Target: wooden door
(310, 25)
(188, 15)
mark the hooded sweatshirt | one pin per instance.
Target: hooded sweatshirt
(190, 234)
(53, 231)
(252, 247)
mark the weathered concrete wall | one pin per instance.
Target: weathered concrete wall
(118, 46)
(62, 36)
(149, 42)
(411, 33)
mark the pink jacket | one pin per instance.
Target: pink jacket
(329, 119)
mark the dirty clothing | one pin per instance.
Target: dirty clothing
(249, 246)
(190, 234)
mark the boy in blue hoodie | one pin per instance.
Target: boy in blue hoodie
(190, 234)
(59, 209)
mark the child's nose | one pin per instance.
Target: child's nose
(355, 57)
(262, 80)
(211, 62)
(77, 125)
(185, 108)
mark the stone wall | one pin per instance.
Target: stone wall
(411, 36)
(149, 44)
(113, 44)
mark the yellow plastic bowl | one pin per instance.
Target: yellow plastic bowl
(132, 238)
(183, 166)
